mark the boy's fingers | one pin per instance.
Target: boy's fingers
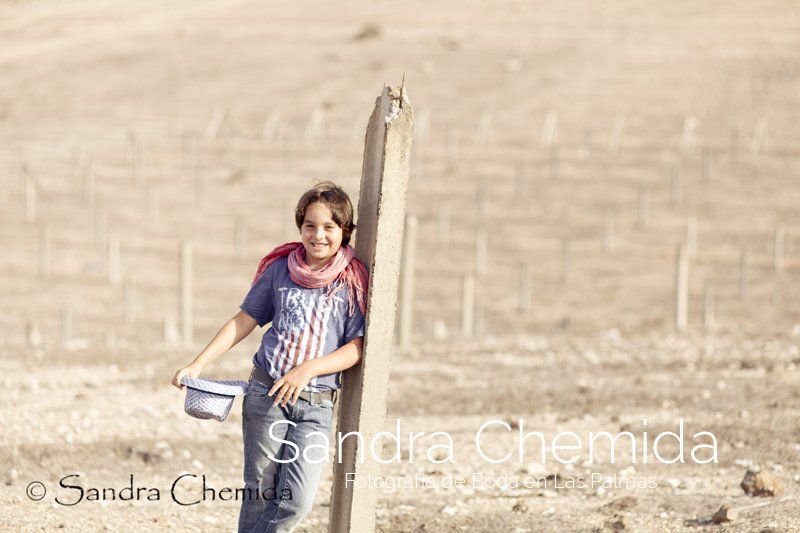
(280, 394)
(288, 396)
(275, 386)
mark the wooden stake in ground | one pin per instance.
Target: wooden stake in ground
(608, 233)
(239, 237)
(674, 187)
(443, 226)
(44, 252)
(407, 281)
(691, 236)
(129, 302)
(566, 259)
(66, 327)
(744, 273)
(525, 287)
(113, 260)
(30, 198)
(734, 147)
(481, 251)
(617, 131)
(708, 306)
(153, 205)
(778, 240)
(682, 288)
(381, 211)
(642, 209)
(100, 226)
(186, 293)
(467, 306)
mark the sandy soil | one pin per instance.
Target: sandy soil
(154, 123)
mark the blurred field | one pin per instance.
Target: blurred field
(156, 123)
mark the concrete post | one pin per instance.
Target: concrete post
(381, 211)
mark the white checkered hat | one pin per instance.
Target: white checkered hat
(207, 398)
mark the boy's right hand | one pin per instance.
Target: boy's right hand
(188, 371)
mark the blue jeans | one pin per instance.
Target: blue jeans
(279, 495)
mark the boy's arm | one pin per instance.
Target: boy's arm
(291, 385)
(342, 358)
(234, 330)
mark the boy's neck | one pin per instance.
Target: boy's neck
(318, 267)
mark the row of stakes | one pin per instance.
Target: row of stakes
(85, 169)
(316, 130)
(686, 252)
(472, 312)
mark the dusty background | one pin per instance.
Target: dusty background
(151, 123)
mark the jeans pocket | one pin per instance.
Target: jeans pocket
(257, 389)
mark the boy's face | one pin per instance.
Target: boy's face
(321, 236)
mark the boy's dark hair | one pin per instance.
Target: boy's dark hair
(337, 201)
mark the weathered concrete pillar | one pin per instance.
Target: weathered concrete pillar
(381, 213)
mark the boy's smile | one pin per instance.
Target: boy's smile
(320, 234)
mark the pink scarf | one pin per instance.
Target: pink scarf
(343, 267)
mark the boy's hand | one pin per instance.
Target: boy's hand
(188, 371)
(291, 384)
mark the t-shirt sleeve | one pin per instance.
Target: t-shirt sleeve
(354, 325)
(259, 302)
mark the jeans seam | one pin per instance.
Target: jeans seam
(280, 502)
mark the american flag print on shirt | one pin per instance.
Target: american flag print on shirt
(302, 325)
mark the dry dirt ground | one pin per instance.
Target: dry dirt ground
(594, 134)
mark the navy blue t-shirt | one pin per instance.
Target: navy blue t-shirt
(305, 325)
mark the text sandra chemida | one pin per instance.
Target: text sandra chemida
(565, 447)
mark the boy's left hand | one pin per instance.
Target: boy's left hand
(291, 384)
